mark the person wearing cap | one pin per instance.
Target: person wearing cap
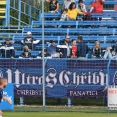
(64, 48)
(7, 50)
(30, 41)
(52, 49)
(46, 54)
(82, 48)
(26, 54)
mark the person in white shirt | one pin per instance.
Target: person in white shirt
(81, 6)
(67, 3)
(63, 16)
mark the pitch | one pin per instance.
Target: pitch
(57, 114)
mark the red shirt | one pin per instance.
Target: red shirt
(98, 6)
(74, 50)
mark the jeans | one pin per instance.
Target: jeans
(68, 19)
(60, 25)
(108, 55)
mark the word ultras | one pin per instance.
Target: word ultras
(53, 77)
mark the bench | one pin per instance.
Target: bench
(75, 23)
(71, 31)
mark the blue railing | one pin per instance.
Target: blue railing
(17, 11)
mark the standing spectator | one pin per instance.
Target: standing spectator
(97, 51)
(81, 6)
(64, 48)
(82, 48)
(52, 50)
(67, 3)
(53, 6)
(7, 50)
(74, 49)
(63, 16)
(26, 54)
(46, 54)
(30, 41)
(97, 6)
(73, 12)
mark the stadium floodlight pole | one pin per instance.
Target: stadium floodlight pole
(43, 62)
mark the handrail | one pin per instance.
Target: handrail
(21, 9)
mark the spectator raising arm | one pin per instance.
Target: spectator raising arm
(97, 6)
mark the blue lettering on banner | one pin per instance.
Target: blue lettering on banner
(8, 92)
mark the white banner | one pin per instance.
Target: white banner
(112, 97)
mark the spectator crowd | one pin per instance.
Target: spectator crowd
(67, 48)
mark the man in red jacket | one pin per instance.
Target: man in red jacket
(97, 6)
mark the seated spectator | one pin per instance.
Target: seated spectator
(97, 7)
(7, 50)
(111, 52)
(64, 48)
(114, 50)
(26, 54)
(30, 41)
(67, 3)
(63, 16)
(97, 51)
(52, 50)
(81, 6)
(82, 48)
(73, 12)
(74, 49)
(46, 54)
(53, 6)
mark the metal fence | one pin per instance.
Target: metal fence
(70, 84)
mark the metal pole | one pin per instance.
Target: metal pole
(44, 107)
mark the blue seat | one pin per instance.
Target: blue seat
(72, 31)
(33, 53)
(76, 23)
(89, 2)
(54, 23)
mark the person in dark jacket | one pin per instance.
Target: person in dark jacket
(46, 54)
(7, 50)
(82, 47)
(97, 51)
(64, 48)
(53, 6)
(29, 41)
(26, 54)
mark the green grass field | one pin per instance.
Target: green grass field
(57, 114)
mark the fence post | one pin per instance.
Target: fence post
(43, 62)
(19, 13)
(7, 22)
(69, 102)
(21, 101)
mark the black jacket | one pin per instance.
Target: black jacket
(30, 41)
(7, 50)
(62, 47)
(82, 49)
(24, 56)
(47, 55)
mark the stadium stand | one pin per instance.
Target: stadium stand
(104, 31)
